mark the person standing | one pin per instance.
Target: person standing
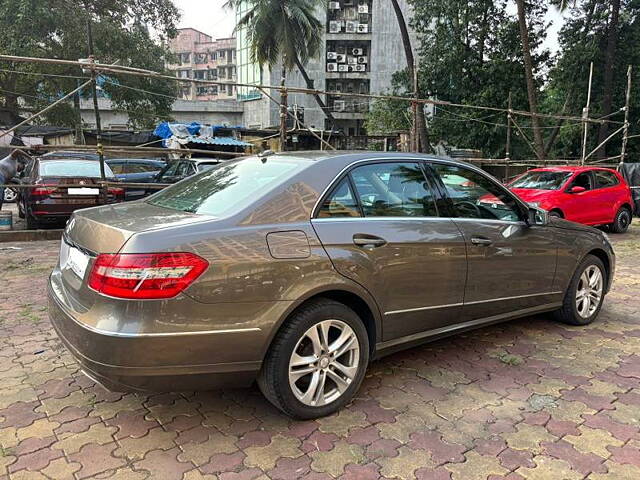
(10, 166)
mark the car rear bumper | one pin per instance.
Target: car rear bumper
(153, 362)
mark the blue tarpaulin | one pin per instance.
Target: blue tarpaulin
(226, 141)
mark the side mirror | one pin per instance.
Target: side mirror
(577, 189)
(537, 216)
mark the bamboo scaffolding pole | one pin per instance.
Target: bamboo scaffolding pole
(148, 73)
(507, 153)
(585, 115)
(602, 143)
(625, 134)
(125, 149)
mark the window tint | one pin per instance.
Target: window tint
(393, 190)
(227, 186)
(118, 168)
(73, 168)
(605, 179)
(170, 170)
(475, 196)
(583, 180)
(341, 202)
(206, 166)
(143, 167)
(184, 169)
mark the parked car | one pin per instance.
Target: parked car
(177, 170)
(136, 170)
(48, 203)
(588, 195)
(296, 269)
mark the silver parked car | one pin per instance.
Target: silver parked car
(296, 269)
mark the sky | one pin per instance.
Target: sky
(209, 17)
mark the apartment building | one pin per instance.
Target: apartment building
(362, 49)
(201, 57)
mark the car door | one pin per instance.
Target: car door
(511, 264)
(607, 195)
(579, 206)
(380, 227)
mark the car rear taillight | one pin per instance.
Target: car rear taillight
(116, 191)
(145, 275)
(43, 190)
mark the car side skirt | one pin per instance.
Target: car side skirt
(397, 344)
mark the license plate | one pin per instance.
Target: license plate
(83, 191)
(77, 261)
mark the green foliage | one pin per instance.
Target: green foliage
(129, 32)
(387, 116)
(279, 29)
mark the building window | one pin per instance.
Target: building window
(201, 58)
(184, 58)
(184, 73)
(200, 74)
(348, 56)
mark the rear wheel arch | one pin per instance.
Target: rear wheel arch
(364, 307)
(558, 211)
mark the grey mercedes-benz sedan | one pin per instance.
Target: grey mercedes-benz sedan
(297, 269)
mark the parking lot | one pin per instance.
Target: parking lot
(528, 399)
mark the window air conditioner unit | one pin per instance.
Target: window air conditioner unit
(351, 68)
(339, 105)
(343, 68)
(334, 5)
(341, 58)
(363, 28)
(332, 55)
(362, 59)
(357, 51)
(363, 8)
(335, 26)
(352, 26)
(352, 60)
(361, 68)
(332, 67)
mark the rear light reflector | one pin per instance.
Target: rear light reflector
(43, 190)
(116, 190)
(145, 275)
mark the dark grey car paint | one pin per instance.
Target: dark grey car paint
(218, 331)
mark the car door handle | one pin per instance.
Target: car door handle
(368, 241)
(481, 241)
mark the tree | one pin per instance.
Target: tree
(122, 33)
(528, 70)
(421, 121)
(284, 31)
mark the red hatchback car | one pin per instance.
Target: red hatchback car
(588, 195)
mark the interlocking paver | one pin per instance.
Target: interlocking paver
(529, 399)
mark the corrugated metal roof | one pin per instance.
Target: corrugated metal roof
(226, 141)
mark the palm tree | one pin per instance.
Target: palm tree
(424, 144)
(286, 31)
(531, 87)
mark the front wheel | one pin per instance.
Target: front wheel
(621, 222)
(584, 297)
(317, 361)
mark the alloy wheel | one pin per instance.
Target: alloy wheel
(589, 291)
(324, 363)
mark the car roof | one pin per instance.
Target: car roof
(569, 168)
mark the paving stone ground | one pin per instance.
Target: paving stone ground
(529, 399)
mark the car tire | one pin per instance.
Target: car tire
(32, 223)
(622, 221)
(10, 195)
(555, 214)
(584, 297)
(293, 389)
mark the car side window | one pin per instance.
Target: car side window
(584, 180)
(340, 203)
(118, 168)
(475, 196)
(605, 179)
(171, 170)
(397, 189)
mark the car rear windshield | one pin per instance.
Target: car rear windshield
(206, 166)
(541, 180)
(226, 186)
(73, 168)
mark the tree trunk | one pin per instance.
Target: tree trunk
(610, 53)
(531, 88)
(309, 82)
(283, 110)
(421, 121)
